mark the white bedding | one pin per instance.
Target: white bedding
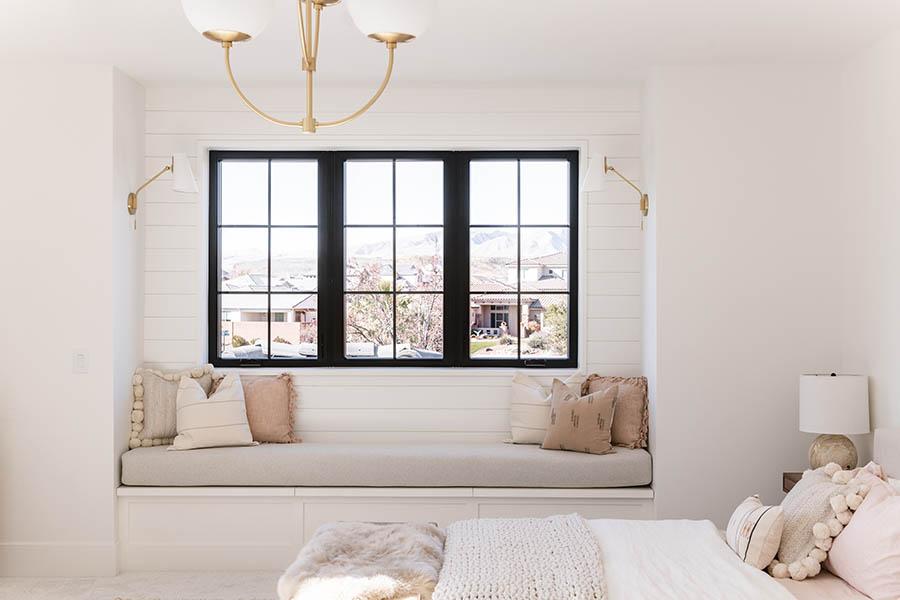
(678, 560)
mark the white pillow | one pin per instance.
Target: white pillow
(895, 483)
(529, 408)
(754, 532)
(210, 422)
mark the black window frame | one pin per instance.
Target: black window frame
(331, 247)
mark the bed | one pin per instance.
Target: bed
(690, 559)
(652, 560)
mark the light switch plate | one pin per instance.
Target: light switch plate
(80, 362)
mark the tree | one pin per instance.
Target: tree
(556, 324)
(419, 318)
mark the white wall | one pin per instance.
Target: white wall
(57, 504)
(870, 214)
(128, 256)
(742, 175)
(415, 404)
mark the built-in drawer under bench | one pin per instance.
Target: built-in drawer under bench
(263, 528)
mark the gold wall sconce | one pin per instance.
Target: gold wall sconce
(595, 181)
(182, 181)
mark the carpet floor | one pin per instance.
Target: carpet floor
(145, 586)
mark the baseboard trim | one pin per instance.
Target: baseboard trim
(57, 559)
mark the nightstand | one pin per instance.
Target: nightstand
(789, 480)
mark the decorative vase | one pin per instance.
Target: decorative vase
(833, 449)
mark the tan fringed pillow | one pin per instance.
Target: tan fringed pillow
(271, 401)
(580, 423)
(631, 425)
(153, 408)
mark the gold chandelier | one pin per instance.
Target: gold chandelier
(390, 22)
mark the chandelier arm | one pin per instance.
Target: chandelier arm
(374, 98)
(246, 100)
(302, 24)
(315, 49)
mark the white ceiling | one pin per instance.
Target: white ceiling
(497, 42)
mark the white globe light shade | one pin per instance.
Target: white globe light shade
(408, 17)
(248, 17)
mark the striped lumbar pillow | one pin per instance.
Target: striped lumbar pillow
(754, 532)
(209, 422)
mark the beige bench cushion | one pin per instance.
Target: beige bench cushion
(386, 465)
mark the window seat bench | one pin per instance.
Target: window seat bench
(385, 465)
(253, 508)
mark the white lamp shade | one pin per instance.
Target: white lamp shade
(594, 177)
(834, 404)
(246, 16)
(182, 175)
(410, 17)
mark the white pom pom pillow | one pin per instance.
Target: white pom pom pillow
(815, 512)
(153, 407)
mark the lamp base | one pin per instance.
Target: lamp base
(833, 449)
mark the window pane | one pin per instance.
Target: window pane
(245, 258)
(545, 192)
(546, 330)
(493, 192)
(294, 326)
(294, 259)
(295, 192)
(369, 325)
(243, 325)
(245, 193)
(369, 192)
(420, 325)
(492, 254)
(493, 322)
(420, 259)
(370, 258)
(545, 259)
(420, 192)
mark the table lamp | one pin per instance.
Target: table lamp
(834, 406)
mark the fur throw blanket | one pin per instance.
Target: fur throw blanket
(366, 561)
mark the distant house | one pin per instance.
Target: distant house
(544, 273)
(253, 309)
(496, 302)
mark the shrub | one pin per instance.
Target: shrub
(280, 340)
(538, 340)
(505, 340)
(238, 341)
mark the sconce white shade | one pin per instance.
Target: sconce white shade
(409, 17)
(594, 177)
(834, 404)
(244, 16)
(182, 175)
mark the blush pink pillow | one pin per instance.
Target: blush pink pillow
(867, 552)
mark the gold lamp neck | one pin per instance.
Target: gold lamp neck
(309, 21)
(645, 199)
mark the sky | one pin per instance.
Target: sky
(494, 189)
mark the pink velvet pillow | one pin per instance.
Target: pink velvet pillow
(867, 552)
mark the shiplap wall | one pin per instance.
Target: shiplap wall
(408, 404)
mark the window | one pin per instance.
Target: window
(424, 259)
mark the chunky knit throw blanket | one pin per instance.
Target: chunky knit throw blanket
(556, 558)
